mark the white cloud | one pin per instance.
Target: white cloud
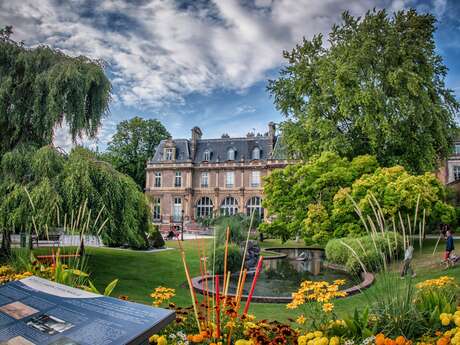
(159, 52)
(439, 7)
(245, 109)
(63, 139)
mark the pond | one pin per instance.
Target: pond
(283, 272)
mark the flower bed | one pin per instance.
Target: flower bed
(434, 300)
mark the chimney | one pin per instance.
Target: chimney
(271, 135)
(196, 135)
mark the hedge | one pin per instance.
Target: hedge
(390, 245)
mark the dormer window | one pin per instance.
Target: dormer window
(231, 154)
(457, 149)
(169, 154)
(256, 153)
(207, 155)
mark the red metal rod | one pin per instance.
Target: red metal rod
(217, 306)
(253, 286)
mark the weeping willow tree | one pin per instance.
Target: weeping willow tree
(87, 179)
(43, 189)
(41, 88)
(29, 180)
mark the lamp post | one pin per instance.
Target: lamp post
(182, 226)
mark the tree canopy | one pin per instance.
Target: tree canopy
(314, 200)
(376, 88)
(300, 196)
(41, 88)
(133, 145)
(48, 186)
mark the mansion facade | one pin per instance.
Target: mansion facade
(191, 179)
(449, 172)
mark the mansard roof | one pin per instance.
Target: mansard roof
(218, 149)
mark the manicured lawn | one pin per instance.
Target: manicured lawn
(139, 273)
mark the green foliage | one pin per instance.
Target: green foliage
(301, 196)
(47, 187)
(125, 207)
(392, 301)
(133, 144)
(318, 200)
(107, 291)
(238, 224)
(368, 250)
(376, 88)
(358, 325)
(42, 87)
(155, 238)
(234, 258)
(432, 301)
(396, 191)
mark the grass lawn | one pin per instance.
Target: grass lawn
(139, 273)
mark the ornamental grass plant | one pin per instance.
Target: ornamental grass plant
(399, 306)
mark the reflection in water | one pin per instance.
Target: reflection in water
(281, 277)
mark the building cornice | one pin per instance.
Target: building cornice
(220, 165)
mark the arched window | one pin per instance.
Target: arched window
(231, 154)
(207, 155)
(254, 204)
(255, 153)
(229, 206)
(204, 207)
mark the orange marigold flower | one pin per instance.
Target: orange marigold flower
(400, 340)
(389, 341)
(380, 339)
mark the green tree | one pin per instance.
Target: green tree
(316, 200)
(133, 145)
(376, 88)
(41, 88)
(397, 192)
(41, 188)
(300, 197)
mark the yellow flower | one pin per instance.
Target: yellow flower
(302, 340)
(439, 282)
(334, 341)
(243, 342)
(154, 338)
(301, 319)
(328, 307)
(162, 294)
(445, 321)
(318, 334)
(162, 340)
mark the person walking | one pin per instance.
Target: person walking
(407, 262)
(449, 246)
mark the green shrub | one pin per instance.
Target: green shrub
(370, 251)
(233, 259)
(238, 225)
(155, 238)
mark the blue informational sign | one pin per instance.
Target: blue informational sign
(37, 311)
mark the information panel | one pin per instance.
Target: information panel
(37, 311)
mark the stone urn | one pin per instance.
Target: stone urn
(252, 255)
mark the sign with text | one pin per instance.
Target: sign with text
(37, 311)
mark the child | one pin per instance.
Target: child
(407, 260)
(449, 245)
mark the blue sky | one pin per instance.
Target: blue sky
(199, 63)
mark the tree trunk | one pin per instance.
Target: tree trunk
(6, 244)
(81, 250)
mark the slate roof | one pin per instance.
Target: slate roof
(182, 150)
(218, 149)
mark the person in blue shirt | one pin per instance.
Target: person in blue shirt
(449, 245)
